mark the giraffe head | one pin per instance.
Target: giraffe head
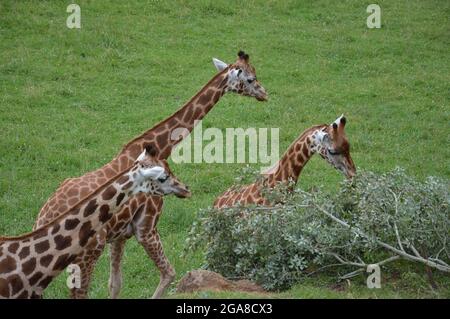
(242, 77)
(154, 176)
(332, 145)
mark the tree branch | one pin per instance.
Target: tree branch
(399, 252)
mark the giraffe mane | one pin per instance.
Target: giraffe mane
(63, 215)
(275, 167)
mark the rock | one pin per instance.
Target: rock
(197, 280)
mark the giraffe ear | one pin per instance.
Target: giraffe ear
(152, 172)
(220, 65)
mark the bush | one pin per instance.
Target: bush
(372, 219)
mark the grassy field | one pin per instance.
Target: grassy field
(69, 99)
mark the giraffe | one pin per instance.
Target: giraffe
(29, 263)
(140, 216)
(329, 141)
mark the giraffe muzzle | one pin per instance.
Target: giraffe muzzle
(182, 192)
(263, 97)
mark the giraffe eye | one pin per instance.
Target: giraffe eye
(333, 152)
(251, 80)
(163, 179)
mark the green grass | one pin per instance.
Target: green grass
(69, 99)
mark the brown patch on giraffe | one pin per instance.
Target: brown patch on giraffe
(134, 150)
(124, 162)
(123, 179)
(62, 242)
(109, 193)
(13, 248)
(162, 139)
(72, 201)
(40, 233)
(206, 97)
(171, 123)
(24, 252)
(46, 281)
(86, 232)
(42, 246)
(109, 172)
(104, 215)
(71, 223)
(7, 265)
(137, 214)
(72, 192)
(29, 266)
(119, 199)
(188, 115)
(305, 151)
(46, 260)
(84, 191)
(35, 278)
(197, 112)
(4, 288)
(55, 229)
(16, 284)
(75, 211)
(52, 202)
(62, 262)
(90, 208)
(217, 96)
(63, 208)
(127, 185)
(296, 169)
(132, 205)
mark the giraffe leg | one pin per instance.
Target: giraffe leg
(153, 246)
(115, 275)
(87, 261)
(144, 226)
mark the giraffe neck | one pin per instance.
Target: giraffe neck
(294, 159)
(186, 117)
(36, 258)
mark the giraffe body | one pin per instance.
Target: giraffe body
(29, 263)
(139, 216)
(327, 140)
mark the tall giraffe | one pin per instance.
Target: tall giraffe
(140, 216)
(29, 263)
(329, 141)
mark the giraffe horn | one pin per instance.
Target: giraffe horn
(339, 121)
